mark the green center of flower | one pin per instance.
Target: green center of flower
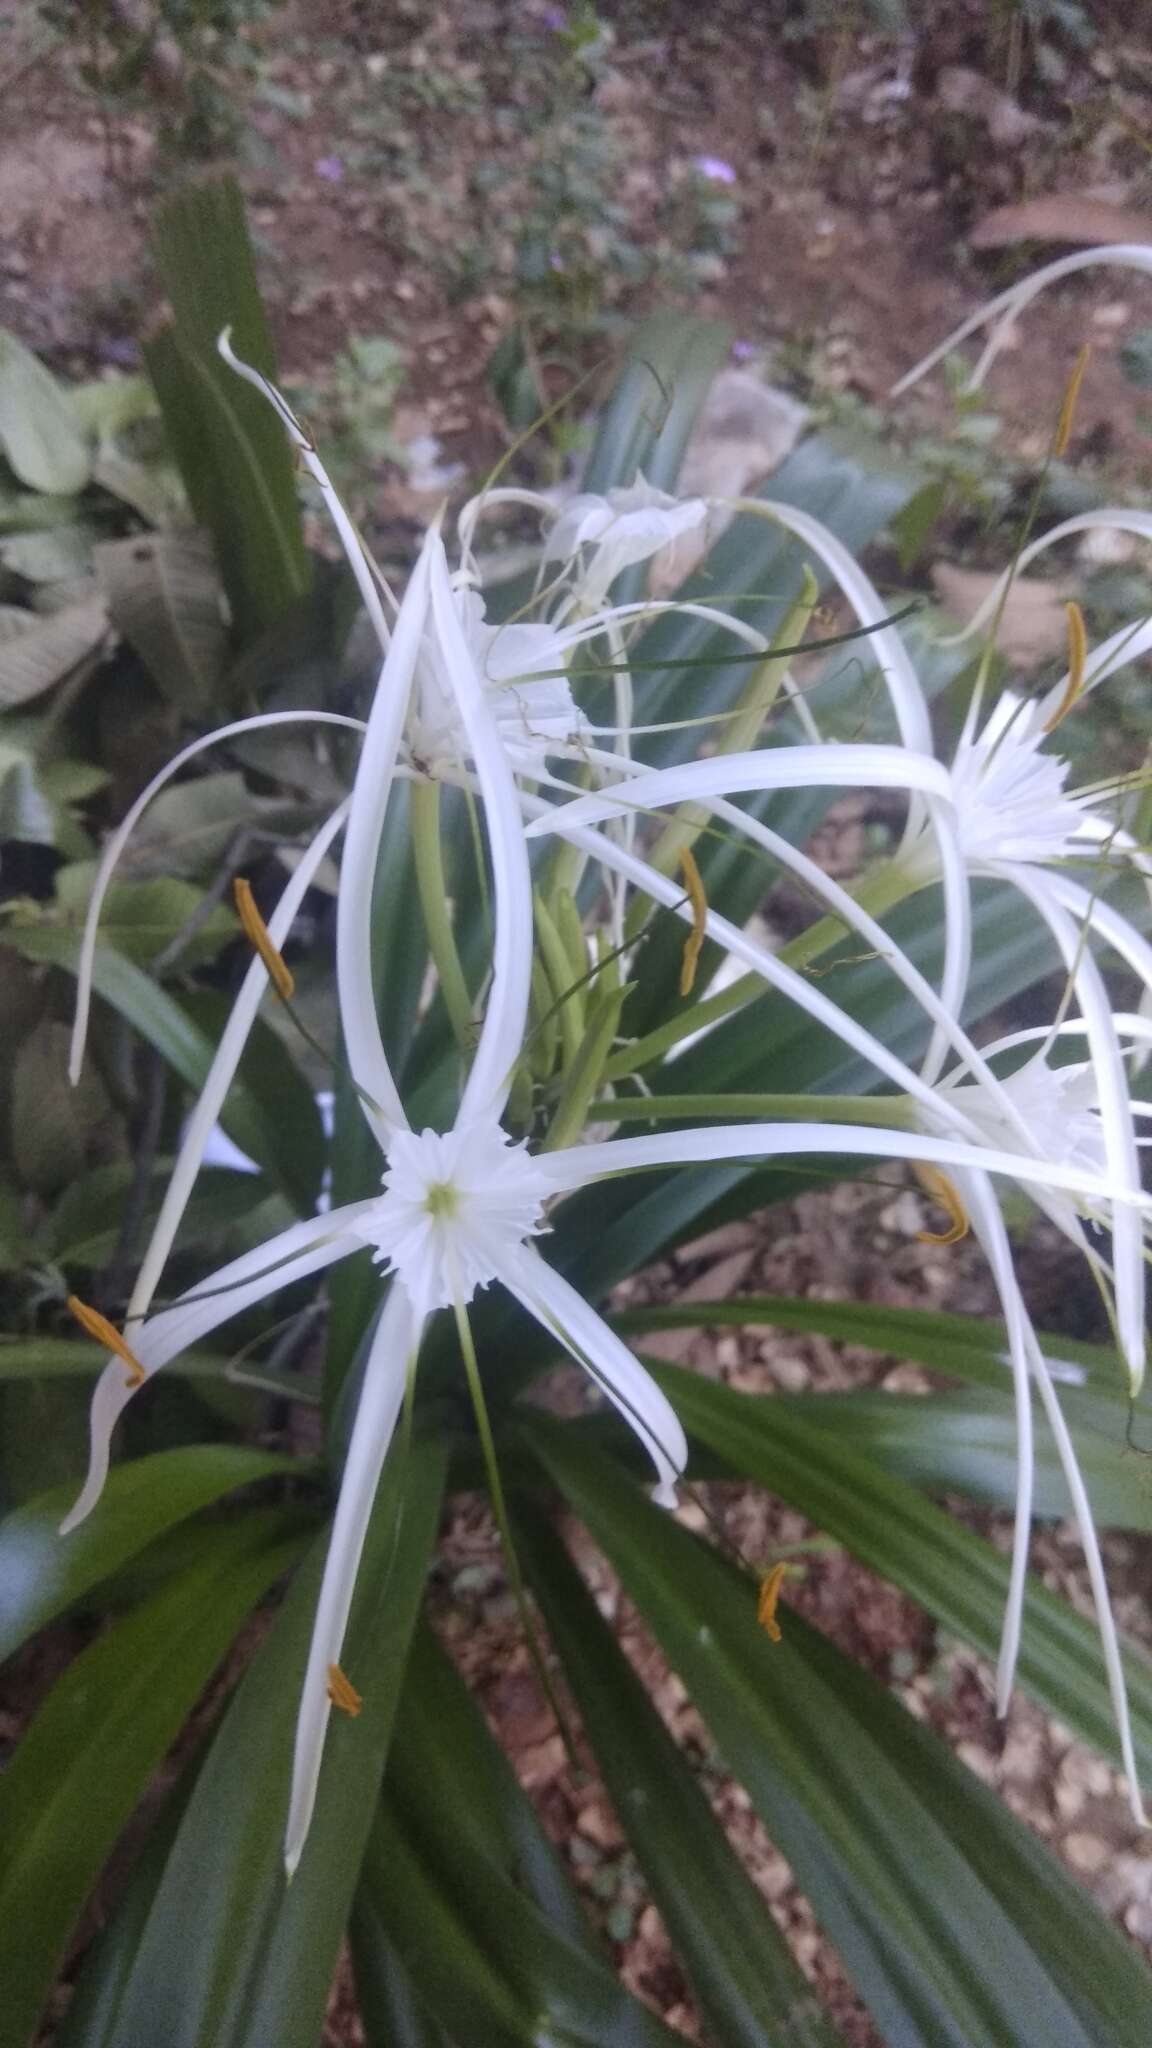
(441, 1198)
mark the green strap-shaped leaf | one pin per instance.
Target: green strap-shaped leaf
(750, 1987)
(446, 1760)
(961, 1347)
(232, 1956)
(391, 2010)
(232, 452)
(42, 1572)
(90, 2021)
(662, 384)
(488, 1965)
(959, 1929)
(89, 1753)
(956, 1575)
(966, 1443)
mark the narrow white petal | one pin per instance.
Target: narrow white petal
(350, 541)
(942, 1012)
(1120, 517)
(1105, 1621)
(893, 660)
(975, 1190)
(1011, 303)
(1116, 1123)
(221, 1073)
(616, 1370)
(576, 1166)
(303, 1249)
(755, 957)
(355, 978)
(502, 1033)
(114, 847)
(391, 1355)
(828, 766)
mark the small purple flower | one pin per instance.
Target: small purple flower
(330, 167)
(555, 260)
(714, 167)
(555, 18)
(741, 350)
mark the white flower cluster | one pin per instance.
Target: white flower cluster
(491, 708)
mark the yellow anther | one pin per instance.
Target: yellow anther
(342, 1692)
(770, 1586)
(694, 889)
(945, 1192)
(1068, 406)
(1077, 662)
(256, 933)
(106, 1333)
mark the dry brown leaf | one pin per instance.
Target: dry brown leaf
(1033, 625)
(1061, 217)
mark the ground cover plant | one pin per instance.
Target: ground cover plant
(532, 981)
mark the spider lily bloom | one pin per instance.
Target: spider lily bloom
(619, 531)
(997, 1115)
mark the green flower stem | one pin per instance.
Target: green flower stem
(583, 1076)
(888, 885)
(433, 893)
(504, 1525)
(736, 736)
(566, 994)
(888, 1111)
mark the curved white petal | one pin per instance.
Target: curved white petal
(1116, 1125)
(221, 1073)
(506, 1011)
(1011, 303)
(755, 957)
(354, 549)
(304, 1248)
(1090, 1544)
(976, 1193)
(391, 1356)
(355, 977)
(829, 766)
(114, 847)
(892, 657)
(576, 1166)
(616, 1370)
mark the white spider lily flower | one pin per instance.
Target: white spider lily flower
(618, 531)
(521, 668)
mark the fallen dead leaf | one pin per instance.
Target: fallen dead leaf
(1061, 217)
(1033, 625)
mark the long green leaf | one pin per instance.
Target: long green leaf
(956, 1575)
(232, 1956)
(42, 1573)
(447, 1763)
(231, 450)
(392, 2012)
(653, 406)
(966, 1443)
(960, 1931)
(750, 1987)
(90, 1751)
(490, 1968)
(960, 1347)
